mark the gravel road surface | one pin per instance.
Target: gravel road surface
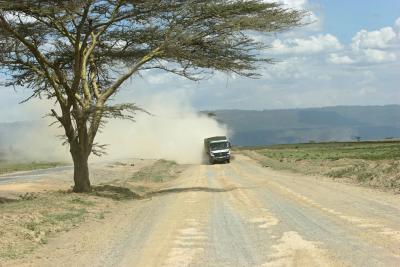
(238, 214)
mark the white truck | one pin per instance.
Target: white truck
(217, 149)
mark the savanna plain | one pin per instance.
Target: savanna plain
(316, 204)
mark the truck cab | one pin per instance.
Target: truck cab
(217, 149)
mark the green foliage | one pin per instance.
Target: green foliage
(371, 163)
(335, 151)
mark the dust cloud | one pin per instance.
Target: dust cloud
(174, 131)
(33, 139)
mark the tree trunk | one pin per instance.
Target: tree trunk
(81, 170)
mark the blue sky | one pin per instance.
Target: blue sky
(348, 56)
(345, 18)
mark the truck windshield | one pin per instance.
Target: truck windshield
(219, 145)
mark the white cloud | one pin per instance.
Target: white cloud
(160, 77)
(373, 39)
(289, 69)
(378, 56)
(313, 22)
(379, 46)
(376, 46)
(314, 70)
(397, 23)
(311, 45)
(337, 59)
(297, 4)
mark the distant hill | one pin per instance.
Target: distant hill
(340, 123)
(251, 127)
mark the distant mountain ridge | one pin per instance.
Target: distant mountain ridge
(251, 127)
(338, 123)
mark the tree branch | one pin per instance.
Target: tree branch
(93, 78)
(43, 62)
(78, 46)
(32, 48)
(110, 90)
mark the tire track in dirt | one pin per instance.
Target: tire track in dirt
(366, 230)
(287, 248)
(180, 235)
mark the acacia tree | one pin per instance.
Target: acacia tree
(79, 53)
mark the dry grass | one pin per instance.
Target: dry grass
(375, 164)
(28, 222)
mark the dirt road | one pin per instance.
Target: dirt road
(238, 214)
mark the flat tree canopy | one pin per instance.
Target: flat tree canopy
(79, 53)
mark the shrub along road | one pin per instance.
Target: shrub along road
(237, 214)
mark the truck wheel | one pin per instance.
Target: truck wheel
(228, 161)
(211, 162)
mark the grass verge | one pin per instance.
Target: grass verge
(6, 167)
(27, 223)
(375, 164)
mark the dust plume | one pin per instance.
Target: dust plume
(33, 139)
(174, 131)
